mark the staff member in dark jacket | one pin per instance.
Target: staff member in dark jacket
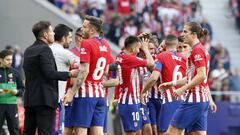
(41, 95)
(11, 86)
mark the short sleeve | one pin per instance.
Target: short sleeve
(198, 57)
(85, 52)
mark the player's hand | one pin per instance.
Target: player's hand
(177, 93)
(115, 102)
(13, 92)
(143, 98)
(165, 86)
(213, 106)
(67, 98)
(74, 65)
(74, 72)
(144, 43)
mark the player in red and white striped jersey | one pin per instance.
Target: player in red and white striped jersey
(149, 108)
(129, 63)
(128, 104)
(171, 66)
(95, 55)
(195, 84)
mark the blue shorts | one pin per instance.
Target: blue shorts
(105, 126)
(85, 112)
(58, 124)
(191, 116)
(144, 111)
(130, 116)
(167, 111)
(68, 116)
(154, 106)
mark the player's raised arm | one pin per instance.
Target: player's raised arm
(149, 58)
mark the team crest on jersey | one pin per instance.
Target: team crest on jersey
(197, 57)
(83, 51)
(144, 118)
(135, 124)
(103, 48)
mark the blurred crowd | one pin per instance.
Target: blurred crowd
(160, 17)
(234, 6)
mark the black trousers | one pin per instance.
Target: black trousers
(10, 112)
(40, 118)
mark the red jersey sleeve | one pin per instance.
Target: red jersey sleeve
(135, 61)
(85, 52)
(198, 58)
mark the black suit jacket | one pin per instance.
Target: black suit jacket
(41, 76)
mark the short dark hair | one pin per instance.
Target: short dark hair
(79, 30)
(61, 30)
(180, 39)
(9, 47)
(40, 27)
(5, 53)
(96, 22)
(171, 40)
(130, 40)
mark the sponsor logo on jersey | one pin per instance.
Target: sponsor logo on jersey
(197, 57)
(83, 51)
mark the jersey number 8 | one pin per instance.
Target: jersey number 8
(99, 70)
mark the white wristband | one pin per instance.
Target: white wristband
(174, 83)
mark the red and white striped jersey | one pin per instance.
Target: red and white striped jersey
(129, 88)
(172, 66)
(90, 89)
(199, 57)
(97, 53)
(154, 92)
(144, 75)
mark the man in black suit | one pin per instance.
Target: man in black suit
(41, 95)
